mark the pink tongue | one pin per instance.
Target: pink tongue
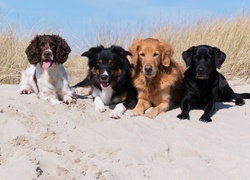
(46, 64)
(104, 85)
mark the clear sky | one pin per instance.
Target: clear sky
(67, 16)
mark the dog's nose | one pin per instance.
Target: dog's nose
(201, 70)
(47, 53)
(148, 68)
(104, 77)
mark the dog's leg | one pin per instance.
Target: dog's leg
(66, 93)
(162, 107)
(208, 111)
(209, 108)
(99, 105)
(228, 92)
(185, 109)
(140, 108)
(49, 96)
(28, 83)
(118, 111)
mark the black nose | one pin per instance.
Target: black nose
(47, 54)
(104, 77)
(148, 68)
(200, 70)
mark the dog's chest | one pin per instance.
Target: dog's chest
(105, 95)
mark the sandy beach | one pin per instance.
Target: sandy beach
(39, 140)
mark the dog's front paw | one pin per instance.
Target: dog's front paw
(239, 101)
(69, 99)
(152, 113)
(205, 118)
(118, 111)
(100, 109)
(183, 116)
(25, 91)
(137, 112)
(54, 101)
(115, 114)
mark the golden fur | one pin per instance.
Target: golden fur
(162, 86)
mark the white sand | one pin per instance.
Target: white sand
(75, 142)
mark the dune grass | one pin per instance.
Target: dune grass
(231, 34)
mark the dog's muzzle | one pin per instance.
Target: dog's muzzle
(148, 70)
(201, 74)
(47, 57)
(104, 81)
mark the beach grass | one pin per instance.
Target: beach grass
(231, 34)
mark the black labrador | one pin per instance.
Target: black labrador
(204, 85)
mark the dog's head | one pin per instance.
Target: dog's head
(203, 59)
(107, 65)
(47, 49)
(150, 54)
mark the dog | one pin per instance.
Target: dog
(46, 74)
(109, 76)
(156, 76)
(204, 85)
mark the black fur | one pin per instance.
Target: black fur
(204, 85)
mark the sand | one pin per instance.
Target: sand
(39, 140)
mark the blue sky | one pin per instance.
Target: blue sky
(75, 15)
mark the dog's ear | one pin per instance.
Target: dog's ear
(120, 51)
(134, 51)
(187, 56)
(62, 50)
(167, 53)
(93, 51)
(32, 51)
(219, 57)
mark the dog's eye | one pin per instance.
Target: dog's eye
(155, 54)
(142, 54)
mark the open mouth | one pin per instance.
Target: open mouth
(104, 85)
(47, 63)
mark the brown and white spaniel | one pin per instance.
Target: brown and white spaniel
(46, 74)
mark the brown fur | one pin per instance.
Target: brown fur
(163, 87)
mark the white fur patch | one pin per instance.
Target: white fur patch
(105, 94)
(28, 84)
(118, 111)
(99, 105)
(51, 84)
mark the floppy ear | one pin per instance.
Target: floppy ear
(120, 51)
(220, 57)
(62, 50)
(167, 53)
(32, 51)
(134, 51)
(92, 51)
(187, 56)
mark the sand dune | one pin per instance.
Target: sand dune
(39, 140)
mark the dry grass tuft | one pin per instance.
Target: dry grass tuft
(230, 34)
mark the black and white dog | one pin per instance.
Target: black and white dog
(110, 79)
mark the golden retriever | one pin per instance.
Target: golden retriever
(156, 76)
